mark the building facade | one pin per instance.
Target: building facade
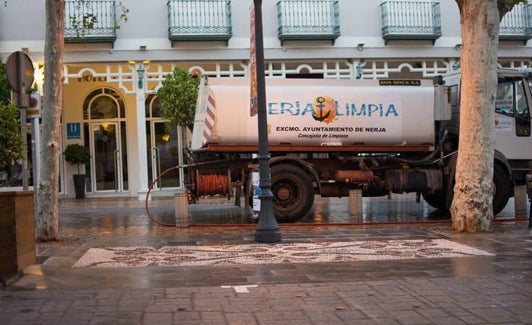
(113, 70)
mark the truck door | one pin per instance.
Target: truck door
(522, 110)
(512, 119)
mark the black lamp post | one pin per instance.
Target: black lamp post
(267, 229)
(528, 179)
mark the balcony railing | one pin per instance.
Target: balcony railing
(90, 21)
(516, 25)
(199, 20)
(308, 20)
(410, 20)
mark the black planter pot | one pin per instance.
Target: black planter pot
(79, 185)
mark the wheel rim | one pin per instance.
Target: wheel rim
(283, 193)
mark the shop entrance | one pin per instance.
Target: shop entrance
(106, 157)
(164, 148)
(105, 129)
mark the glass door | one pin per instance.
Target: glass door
(164, 143)
(104, 129)
(106, 157)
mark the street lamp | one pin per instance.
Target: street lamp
(267, 229)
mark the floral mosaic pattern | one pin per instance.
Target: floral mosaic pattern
(277, 253)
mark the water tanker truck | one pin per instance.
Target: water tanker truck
(327, 137)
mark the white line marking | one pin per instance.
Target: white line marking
(240, 289)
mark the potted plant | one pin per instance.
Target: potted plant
(76, 154)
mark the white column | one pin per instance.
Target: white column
(142, 156)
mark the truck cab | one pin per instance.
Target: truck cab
(512, 129)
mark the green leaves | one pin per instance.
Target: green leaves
(177, 97)
(10, 137)
(85, 16)
(76, 154)
(5, 92)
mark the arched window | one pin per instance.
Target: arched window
(153, 107)
(103, 103)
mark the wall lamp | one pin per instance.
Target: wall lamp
(142, 47)
(25, 50)
(360, 46)
(360, 69)
(140, 74)
(458, 47)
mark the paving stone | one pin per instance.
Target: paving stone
(454, 290)
(158, 318)
(240, 318)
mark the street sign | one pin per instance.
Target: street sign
(73, 130)
(19, 70)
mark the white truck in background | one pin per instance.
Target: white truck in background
(328, 137)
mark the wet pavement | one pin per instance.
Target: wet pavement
(399, 208)
(491, 288)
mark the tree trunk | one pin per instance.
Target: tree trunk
(48, 192)
(471, 208)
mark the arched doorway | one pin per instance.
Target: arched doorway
(105, 129)
(165, 145)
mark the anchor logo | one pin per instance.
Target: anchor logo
(324, 109)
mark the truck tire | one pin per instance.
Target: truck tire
(502, 186)
(436, 200)
(293, 194)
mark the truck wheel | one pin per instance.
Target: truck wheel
(501, 183)
(293, 195)
(436, 200)
(501, 187)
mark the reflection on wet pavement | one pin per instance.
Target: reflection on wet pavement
(108, 215)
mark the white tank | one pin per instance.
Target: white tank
(317, 112)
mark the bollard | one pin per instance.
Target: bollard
(182, 219)
(520, 203)
(355, 203)
(530, 211)
(238, 193)
(528, 178)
